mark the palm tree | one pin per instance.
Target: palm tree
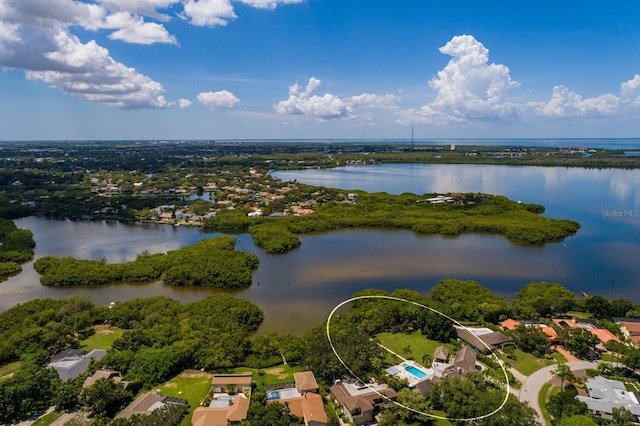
(427, 359)
(563, 372)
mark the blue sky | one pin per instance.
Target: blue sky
(257, 69)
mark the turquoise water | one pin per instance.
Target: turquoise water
(273, 395)
(415, 371)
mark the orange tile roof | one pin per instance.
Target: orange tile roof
(550, 331)
(510, 324)
(309, 407)
(632, 327)
(604, 335)
(560, 322)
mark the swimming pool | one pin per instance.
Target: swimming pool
(414, 371)
(271, 395)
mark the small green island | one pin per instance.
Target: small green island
(210, 263)
(450, 214)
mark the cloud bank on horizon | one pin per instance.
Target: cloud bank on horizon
(45, 40)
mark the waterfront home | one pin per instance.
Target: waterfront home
(148, 402)
(302, 398)
(481, 339)
(112, 375)
(70, 363)
(230, 401)
(605, 395)
(361, 402)
(441, 354)
(602, 334)
(630, 327)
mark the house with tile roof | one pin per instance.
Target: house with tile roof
(441, 354)
(303, 398)
(361, 402)
(630, 327)
(602, 334)
(115, 376)
(230, 402)
(148, 402)
(481, 339)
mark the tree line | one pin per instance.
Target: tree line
(519, 222)
(212, 262)
(16, 247)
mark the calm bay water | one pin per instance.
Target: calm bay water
(298, 290)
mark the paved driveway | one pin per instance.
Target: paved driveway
(532, 386)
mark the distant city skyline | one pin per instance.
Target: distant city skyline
(315, 69)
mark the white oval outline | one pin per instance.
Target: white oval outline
(398, 299)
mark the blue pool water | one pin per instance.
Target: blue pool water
(273, 395)
(415, 371)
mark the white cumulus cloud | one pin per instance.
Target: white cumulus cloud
(209, 12)
(141, 7)
(216, 100)
(86, 71)
(184, 103)
(133, 29)
(328, 106)
(470, 89)
(268, 4)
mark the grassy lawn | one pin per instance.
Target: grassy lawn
(579, 315)
(102, 339)
(191, 384)
(7, 370)
(527, 363)
(608, 357)
(48, 419)
(542, 401)
(272, 375)
(417, 344)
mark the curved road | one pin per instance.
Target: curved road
(531, 387)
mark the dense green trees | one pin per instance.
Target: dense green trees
(470, 301)
(28, 392)
(582, 343)
(105, 397)
(211, 263)
(45, 325)
(357, 350)
(531, 339)
(474, 396)
(543, 299)
(16, 247)
(564, 404)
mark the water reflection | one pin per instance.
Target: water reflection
(298, 290)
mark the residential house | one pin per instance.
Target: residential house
(481, 339)
(441, 354)
(146, 403)
(605, 395)
(230, 403)
(70, 363)
(510, 324)
(630, 327)
(465, 360)
(232, 383)
(360, 402)
(115, 376)
(303, 399)
(602, 334)
(222, 413)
